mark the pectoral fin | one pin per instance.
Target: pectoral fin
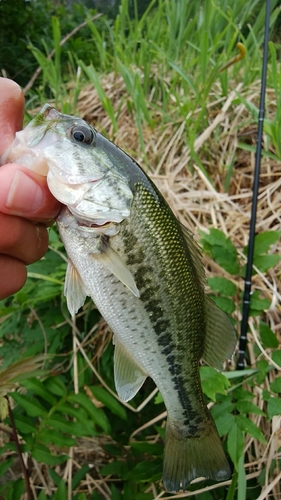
(74, 289)
(220, 340)
(111, 260)
(128, 375)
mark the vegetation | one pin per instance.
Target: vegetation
(155, 84)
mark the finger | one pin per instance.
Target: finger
(22, 239)
(13, 276)
(11, 111)
(25, 193)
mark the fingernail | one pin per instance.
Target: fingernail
(25, 195)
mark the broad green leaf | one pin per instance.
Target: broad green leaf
(273, 407)
(146, 471)
(55, 437)
(213, 382)
(248, 407)
(115, 467)
(61, 491)
(18, 489)
(25, 425)
(263, 241)
(268, 338)
(38, 388)
(248, 426)
(276, 356)
(42, 495)
(43, 455)
(275, 385)
(223, 286)
(78, 429)
(145, 447)
(265, 262)
(109, 401)
(257, 303)
(56, 386)
(242, 482)
(30, 405)
(224, 303)
(241, 393)
(222, 249)
(224, 423)
(5, 465)
(158, 398)
(79, 475)
(96, 414)
(235, 444)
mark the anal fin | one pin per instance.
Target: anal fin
(128, 375)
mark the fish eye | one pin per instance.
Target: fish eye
(82, 133)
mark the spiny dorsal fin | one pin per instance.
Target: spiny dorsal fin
(128, 375)
(220, 338)
(111, 260)
(74, 289)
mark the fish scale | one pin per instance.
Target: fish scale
(143, 270)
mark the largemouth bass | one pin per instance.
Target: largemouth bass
(143, 270)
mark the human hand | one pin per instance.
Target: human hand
(26, 204)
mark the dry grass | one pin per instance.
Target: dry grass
(200, 202)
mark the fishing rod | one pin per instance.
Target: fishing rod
(251, 243)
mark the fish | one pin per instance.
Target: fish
(143, 269)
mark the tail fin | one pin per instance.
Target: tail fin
(191, 457)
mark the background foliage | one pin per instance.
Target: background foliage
(147, 75)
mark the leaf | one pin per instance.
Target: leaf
(96, 414)
(257, 303)
(77, 429)
(268, 338)
(224, 303)
(61, 491)
(18, 489)
(24, 424)
(5, 465)
(235, 444)
(273, 407)
(265, 262)
(224, 423)
(275, 385)
(32, 407)
(276, 356)
(213, 382)
(42, 455)
(52, 436)
(223, 286)
(109, 401)
(79, 475)
(146, 471)
(248, 407)
(115, 468)
(56, 386)
(248, 426)
(263, 242)
(145, 447)
(38, 388)
(222, 249)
